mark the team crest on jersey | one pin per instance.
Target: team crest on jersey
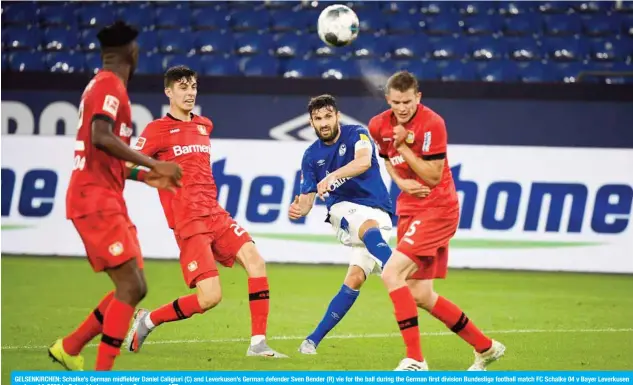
(202, 130)
(410, 137)
(342, 149)
(116, 249)
(192, 266)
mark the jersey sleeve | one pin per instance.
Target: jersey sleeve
(308, 177)
(210, 123)
(106, 100)
(374, 131)
(434, 141)
(359, 138)
(149, 142)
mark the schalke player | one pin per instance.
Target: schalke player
(341, 168)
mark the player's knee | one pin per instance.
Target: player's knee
(355, 279)
(425, 299)
(389, 278)
(209, 300)
(368, 224)
(132, 292)
(251, 259)
(392, 277)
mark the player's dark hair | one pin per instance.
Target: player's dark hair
(321, 101)
(402, 81)
(116, 35)
(176, 73)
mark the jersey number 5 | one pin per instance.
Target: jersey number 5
(412, 228)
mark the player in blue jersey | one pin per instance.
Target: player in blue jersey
(342, 169)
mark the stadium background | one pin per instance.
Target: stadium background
(539, 117)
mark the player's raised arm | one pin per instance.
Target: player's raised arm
(148, 144)
(409, 186)
(360, 164)
(430, 167)
(104, 139)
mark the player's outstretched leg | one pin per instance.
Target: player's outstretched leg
(258, 299)
(65, 351)
(394, 276)
(486, 350)
(339, 306)
(208, 295)
(130, 289)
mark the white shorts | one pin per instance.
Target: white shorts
(353, 215)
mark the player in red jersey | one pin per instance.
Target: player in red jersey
(95, 203)
(412, 139)
(204, 231)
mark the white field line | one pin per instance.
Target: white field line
(347, 336)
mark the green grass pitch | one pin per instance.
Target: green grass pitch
(548, 321)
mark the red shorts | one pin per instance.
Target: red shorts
(424, 239)
(109, 238)
(206, 240)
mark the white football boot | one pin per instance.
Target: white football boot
(411, 365)
(307, 347)
(482, 360)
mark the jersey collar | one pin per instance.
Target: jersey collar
(170, 116)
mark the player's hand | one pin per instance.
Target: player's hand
(415, 188)
(154, 179)
(399, 135)
(294, 211)
(169, 170)
(325, 186)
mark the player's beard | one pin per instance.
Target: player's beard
(333, 133)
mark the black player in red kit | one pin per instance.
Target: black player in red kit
(204, 231)
(95, 203)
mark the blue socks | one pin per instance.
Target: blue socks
(339, 306)
(376, 245)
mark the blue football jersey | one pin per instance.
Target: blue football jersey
(320, 159)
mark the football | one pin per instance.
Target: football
(338, 25)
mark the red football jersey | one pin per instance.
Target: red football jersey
(427, 139)
(97, 180)
(188, 144)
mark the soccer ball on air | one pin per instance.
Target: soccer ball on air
(338, 25)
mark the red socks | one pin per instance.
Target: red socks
(89, 329)
(185, 307)
(407, 317)
(182, 308)
(258, 301)
(454, 319)
(115, 325)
